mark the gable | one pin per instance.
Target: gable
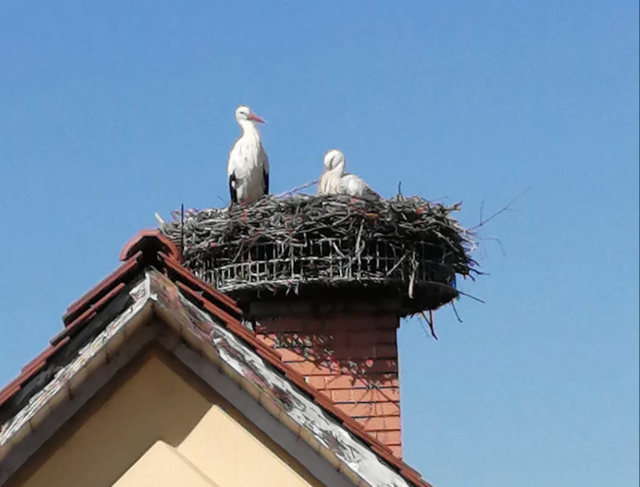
(156, 422)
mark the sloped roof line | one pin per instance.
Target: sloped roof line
(152, 248)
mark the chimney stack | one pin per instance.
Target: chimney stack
(352, 358)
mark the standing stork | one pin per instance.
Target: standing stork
(334, 180)
(248, 164)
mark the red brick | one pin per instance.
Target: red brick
(362, 323)
(388, 423)
(357, 410)
(311, 369)
(291, 325)
(383, 365)
(377, 337)
(336, 370)
(325, 393)
(362, 352)
(343, 382)
(385, 395)
(316, 382)
(385, 408)
(386, 351)
(345, 395)
(366, 395)
(388, 437)
(341, 338)
(267, 340)
(342, 351)
(396, 450)
(289, 355)
(346, 382)
(299, 341)
(345, 322)
(370, 409)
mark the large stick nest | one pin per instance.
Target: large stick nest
(333, 248)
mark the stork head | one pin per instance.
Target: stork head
(244, 114)
(334, 159)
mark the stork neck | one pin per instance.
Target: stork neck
(338, 170)
(249, 129)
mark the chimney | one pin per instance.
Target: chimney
(352, 358)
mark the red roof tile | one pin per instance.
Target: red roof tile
(210, 293)
(120, 275)
(150, 241)
(10, 390)
(152, 247)
(37, 363)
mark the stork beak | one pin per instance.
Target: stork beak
(256, 118)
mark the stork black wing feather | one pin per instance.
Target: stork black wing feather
(232, 189)
(370, 194)
(266, 182)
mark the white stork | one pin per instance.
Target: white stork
(334, 180)
(248, 164)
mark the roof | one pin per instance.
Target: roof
(214, 319)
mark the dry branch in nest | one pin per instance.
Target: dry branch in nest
(403, 253)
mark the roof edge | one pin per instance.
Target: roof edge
(149, 241)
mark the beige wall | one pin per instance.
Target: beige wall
(163, 466)
(159, 426)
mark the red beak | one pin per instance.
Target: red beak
(255, 118)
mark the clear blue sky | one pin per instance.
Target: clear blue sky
(113, 111)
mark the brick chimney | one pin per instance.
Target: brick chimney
(352, 358)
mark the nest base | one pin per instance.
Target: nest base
(354, 297)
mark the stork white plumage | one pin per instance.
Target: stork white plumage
(334, 180)
(248, 164)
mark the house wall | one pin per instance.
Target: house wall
(159, 426)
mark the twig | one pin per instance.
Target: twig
(297, 190)
(501, 211)
(182, 229)
(472, 297)
(455, 310)
(398, 264)
(414, 266)
(498, 241)
(430, 323)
